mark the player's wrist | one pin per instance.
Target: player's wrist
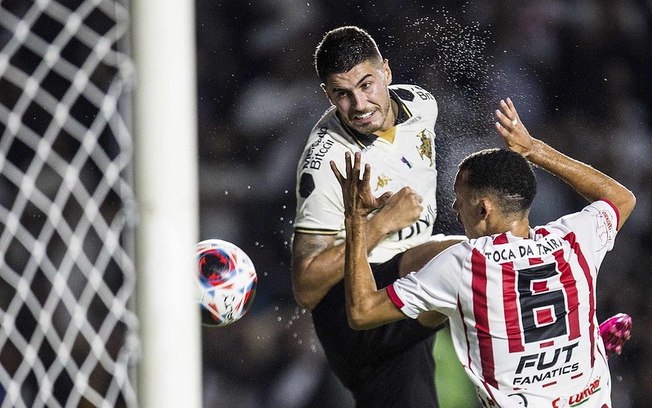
(355, 219)
(381, 226)
(537, 152)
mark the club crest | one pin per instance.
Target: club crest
(425, 148)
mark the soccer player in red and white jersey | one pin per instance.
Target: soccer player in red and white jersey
(521, 301)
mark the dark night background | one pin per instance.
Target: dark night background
(579, 73)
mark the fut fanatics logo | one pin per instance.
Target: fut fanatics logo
(425, 149)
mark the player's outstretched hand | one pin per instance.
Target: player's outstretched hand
(356, 192)
(510, 127)
(615, 331)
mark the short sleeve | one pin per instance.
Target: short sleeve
(319, 204)
(320, 209)
(595, 228)
(434, 287)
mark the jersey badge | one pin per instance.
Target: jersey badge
(306, 185)
(383, 180)
(425, 148)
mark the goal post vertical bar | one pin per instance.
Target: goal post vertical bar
(166, 178)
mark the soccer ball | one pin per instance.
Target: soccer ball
(227, 282)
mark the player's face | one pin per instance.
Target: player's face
(361, 96)
(468, 208)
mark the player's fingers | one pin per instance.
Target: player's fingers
(366, 175)
(509, 112)
(356, 167)
(337, 173)
(510, 104)
(347, 164)
(508, 108)
(503, 117)
(501, 129)
(383, 198)
(514, 112)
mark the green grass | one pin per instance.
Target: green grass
(453, 386)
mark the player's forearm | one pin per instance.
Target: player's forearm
(587, 181)
(366, 306)
(314, 276)
(359, 281)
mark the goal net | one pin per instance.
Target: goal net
(67, 279)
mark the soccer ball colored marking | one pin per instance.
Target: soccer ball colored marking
(227, 282)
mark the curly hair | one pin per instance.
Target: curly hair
(504, 174)
(343, 48)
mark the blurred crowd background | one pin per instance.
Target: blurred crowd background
(580, 73)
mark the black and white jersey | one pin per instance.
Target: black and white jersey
(402, 156)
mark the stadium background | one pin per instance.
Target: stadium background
(579, 72)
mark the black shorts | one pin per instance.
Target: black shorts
(388, 366)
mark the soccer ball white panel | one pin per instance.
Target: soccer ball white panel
(227, 282)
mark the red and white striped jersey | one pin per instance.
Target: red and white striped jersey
(522, 311)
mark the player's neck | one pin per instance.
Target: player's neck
(517, 227)
(392, 114)
(520, 228)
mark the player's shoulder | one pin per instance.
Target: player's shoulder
(327, 141)
(458, 252)
(327, 132)
(413, 94)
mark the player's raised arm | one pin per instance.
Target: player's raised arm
(318, 263)
(366, 306)
(587, 181)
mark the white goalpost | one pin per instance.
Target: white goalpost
(98, 204)
(166, 182)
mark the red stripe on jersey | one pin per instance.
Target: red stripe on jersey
(501, 239)
(589, 281)
(391, 292)
(570, 288)
(479, 286)
(510, 307)
(466, 334)
(542, 231)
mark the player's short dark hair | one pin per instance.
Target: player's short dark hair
(343, 48)
(504, 174)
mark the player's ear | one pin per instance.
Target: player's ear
(387, 71)
(484, 208)
(323, 88)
